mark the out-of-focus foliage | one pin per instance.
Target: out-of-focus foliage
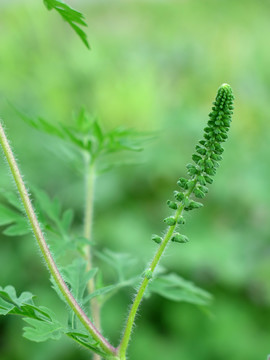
(85, 137)
(71, 16)
(12, 216)
(175, 288)
(44, 324)
(153, 66)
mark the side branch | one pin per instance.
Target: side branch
(105, 345)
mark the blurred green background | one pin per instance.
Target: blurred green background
(154, 65)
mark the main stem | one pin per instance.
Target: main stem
(105, 345)
(88, 221)
(130, 321)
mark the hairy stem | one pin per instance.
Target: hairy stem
(52, 267)
(131, 318)
(88, 221)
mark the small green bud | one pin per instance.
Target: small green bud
(208, 179)
(182, 182)
(200, 150)
(224, 129)
(218, 147)
(172, 204)
(198, 193)
(157, 239)
(218, 151)
(191, 169)
(224, 136)
(196, 158)
(227, 122)
(190, 184)
(193, 205)
(180, 238)
(170, 221)
(201, 180)
(181, 220)
(203, 188)
(186, 202)
(201, 165)
(210, 171)
(219, 138)
(216, 157)
(179, 195)
(148, 274)
(209, 163)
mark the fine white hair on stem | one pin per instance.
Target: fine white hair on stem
(51, 265)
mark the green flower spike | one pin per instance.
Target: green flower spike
(206, 160)
(208, 154)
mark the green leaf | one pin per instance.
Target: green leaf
(121, 263)
(43, 125)
(67, 219)
(124, 139)
(13, 199)
(97, 131)
(86, 135)
(85, 340)
(58, 224)
(49, 207)
(16, 221)
(22, 305)
(21, 227)
(43, 322)
(102, 291)
(41, 330)
(54, 220)
(77, 277)
(73, 17)
(174, 287)
(7, 216)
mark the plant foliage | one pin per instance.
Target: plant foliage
(74, 18)
(87, 137)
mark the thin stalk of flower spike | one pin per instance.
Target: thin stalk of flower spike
(52, 267)
(206, 159)
(130, 321)
(88, 222)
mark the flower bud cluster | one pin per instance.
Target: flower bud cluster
(209, 151)
(206, 161)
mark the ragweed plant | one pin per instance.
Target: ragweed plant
(75, 283)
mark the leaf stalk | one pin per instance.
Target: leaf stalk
(88, 222)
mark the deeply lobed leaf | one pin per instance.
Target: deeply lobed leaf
(174, 287)
(73, 17)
